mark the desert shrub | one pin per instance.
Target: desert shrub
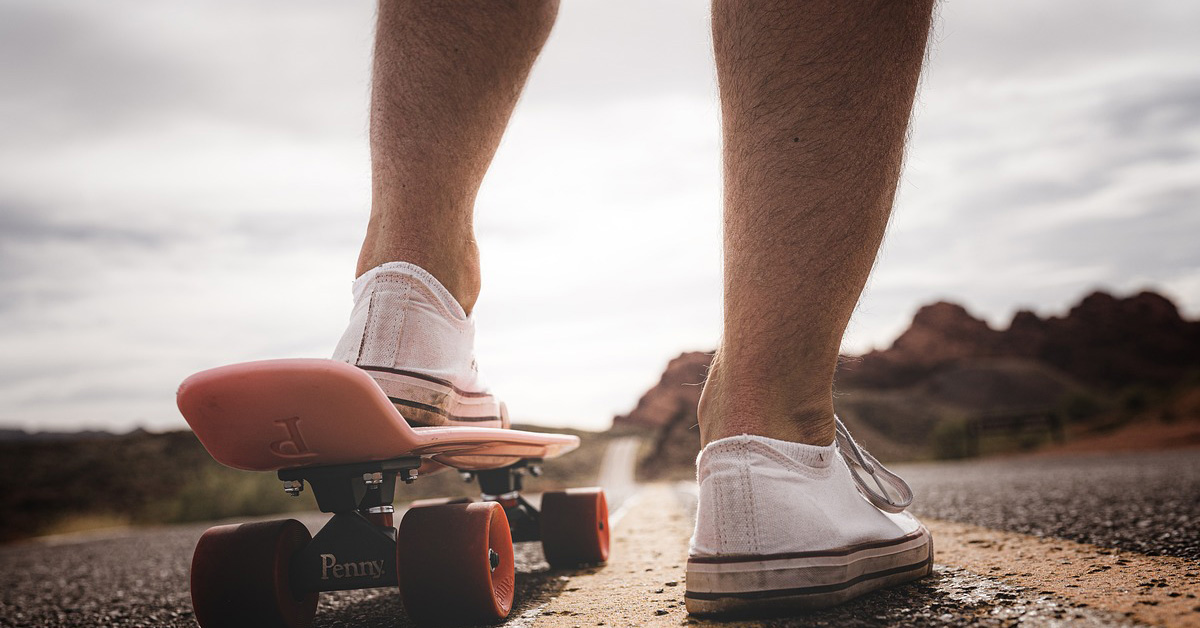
(215, 492)
(950, 440)
(1080, 406)
(142, 478)
(1135, 399)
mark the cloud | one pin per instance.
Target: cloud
(1037, 174)
(83, 68)
(74, 77)
(184, 185)
(610, 51)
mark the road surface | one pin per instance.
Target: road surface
(1029, 541)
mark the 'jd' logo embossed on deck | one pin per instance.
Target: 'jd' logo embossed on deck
(293, 446)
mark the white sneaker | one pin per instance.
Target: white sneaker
(416, 341)
(783, 526)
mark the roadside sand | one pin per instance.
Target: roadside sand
(643, 585)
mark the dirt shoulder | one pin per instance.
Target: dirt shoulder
(981, 577)
(1140, 436)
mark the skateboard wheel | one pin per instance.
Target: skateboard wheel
(240, 576)
(456, 563)
(575, 527)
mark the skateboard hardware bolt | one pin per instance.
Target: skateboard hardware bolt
(408, 475)
(373, 480)
(293, 487)
(493, 558)
(466, 476)
(535, 470)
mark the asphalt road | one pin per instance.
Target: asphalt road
(1143, 502)
(141, 579)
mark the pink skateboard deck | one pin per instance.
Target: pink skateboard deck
(282, 414)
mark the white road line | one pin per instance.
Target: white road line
(617, 475)
(526, 619)
(615, 517)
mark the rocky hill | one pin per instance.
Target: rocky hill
(1104, 341)
(674, 397)
(1107, 357)
(54, 483)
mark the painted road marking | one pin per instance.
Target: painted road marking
(616, 474)
(616, 477)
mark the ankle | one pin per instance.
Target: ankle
(728, 409)
(462, 280)
(457, 271)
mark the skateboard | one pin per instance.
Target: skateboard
(327, 425)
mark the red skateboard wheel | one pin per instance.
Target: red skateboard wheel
(575, 527)
(456, 564)
(240, 576)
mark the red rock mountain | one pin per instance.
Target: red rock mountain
(675, 396)
(1104, 343)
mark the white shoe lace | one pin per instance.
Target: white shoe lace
(894, 500)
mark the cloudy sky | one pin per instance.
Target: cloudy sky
(184, 185)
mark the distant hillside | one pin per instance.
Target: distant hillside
(674, 397)
(11, 435)
(62, 483)
(1104, 342)
(1107, 361)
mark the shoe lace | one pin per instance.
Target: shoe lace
(894, 500)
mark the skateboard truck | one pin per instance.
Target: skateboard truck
(504, 486)
(360, 496)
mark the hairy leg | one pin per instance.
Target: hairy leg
(446, 79)
(815, 101)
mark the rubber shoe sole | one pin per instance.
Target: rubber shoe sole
(804, 581)
(426, 401)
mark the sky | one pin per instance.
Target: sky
(185, 185)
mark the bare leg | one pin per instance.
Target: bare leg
(815, 98)
(446, 79)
